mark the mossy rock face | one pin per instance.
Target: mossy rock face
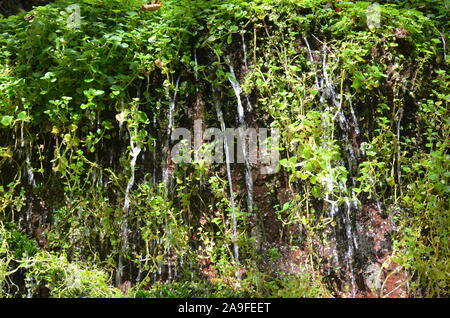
(361, 189)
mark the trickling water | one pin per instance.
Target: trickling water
(349, 229)
(100, 179)
(159, 271)
(172, 104)
(244, 51)
(154, 153)
(329, 177)
(196, 71)
(352, 244)
(330, 184)
(138, 277)
(237, 91)
(122, 108)
(166, 173)
(20, 221)
(135, 151)
(230, 181)
(29, 171)
(344, 212)
(355, 120)
(249, 104)
(172, 107)
(399, 157)
(22, 139)
(243, 126)
(312, 61)
(28, 279)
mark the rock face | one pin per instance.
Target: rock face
(373, 279)
(336, 205)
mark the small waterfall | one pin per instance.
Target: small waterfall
(343, 213)
(22, 139)
(352, 244)
(329, 181)
(172, 107)
(28, 170)
(243, 126)
(237, 91)
(244, 52)
(230, 181)
(172, 104)
(313, 63)
(122, 107)
(166, 174)
(154, 153)
(135, 151)
(29, 215)
(20, 221)
(355, 120)
(196, 71)
(97, 172)
(399, 115)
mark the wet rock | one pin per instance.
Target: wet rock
(373, 277)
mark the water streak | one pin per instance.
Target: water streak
(243, 125)
(344, 213)
(196, 71)
(172, 104)
(244, 52)
(230, 182)
(135, 151)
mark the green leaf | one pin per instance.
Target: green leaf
(6, 120)
(23, 116)
(230, 39)
(357, 82)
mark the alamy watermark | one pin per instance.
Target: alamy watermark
(234, 145)
(74, 18)
(373, 13)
